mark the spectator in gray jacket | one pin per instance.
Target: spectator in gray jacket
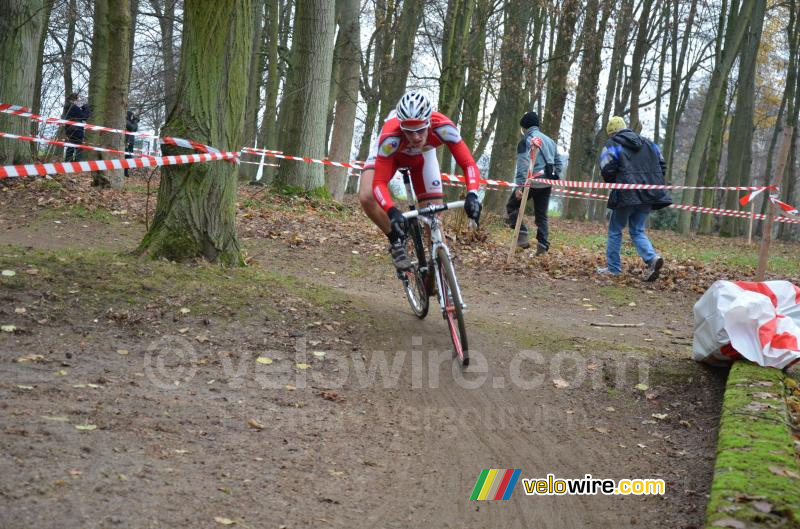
(547, 165)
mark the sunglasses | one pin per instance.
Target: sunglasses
(414, 125)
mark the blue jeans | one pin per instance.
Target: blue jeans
(634, 217)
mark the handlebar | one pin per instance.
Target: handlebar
(433, 209)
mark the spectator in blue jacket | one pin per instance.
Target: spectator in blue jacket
(628, 158)
(74, 110)
(547, 165)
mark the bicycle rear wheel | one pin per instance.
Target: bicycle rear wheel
(414, 279)
(453, 313)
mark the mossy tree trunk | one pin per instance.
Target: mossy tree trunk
(165, 12)
(740, 145)
(108, 82)
(738, 24)
(376, 58)
(196, 211)
(561, 61)
(307, 92)
(347, 95)
(36, 106)
(510, 100)
(455, 47)
(582, 147)
(475, 78)
(21, 24)
(677, 59)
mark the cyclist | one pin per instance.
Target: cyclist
(409, 138)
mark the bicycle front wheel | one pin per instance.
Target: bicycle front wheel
(453, 313)
(413, 279)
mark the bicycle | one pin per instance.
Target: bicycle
(433, 268)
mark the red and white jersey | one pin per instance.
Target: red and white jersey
(394, 152)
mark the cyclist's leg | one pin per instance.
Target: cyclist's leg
(426, 179)
(368, 203)
(427, 184)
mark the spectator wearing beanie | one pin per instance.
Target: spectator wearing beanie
(546, 165)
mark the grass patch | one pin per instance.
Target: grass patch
(92, 281)
(754, 448)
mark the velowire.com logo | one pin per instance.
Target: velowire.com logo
(495, 484)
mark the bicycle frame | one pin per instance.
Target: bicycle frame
(429, 216)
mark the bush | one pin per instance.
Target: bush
(664, 219)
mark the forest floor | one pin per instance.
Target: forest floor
(301, 391)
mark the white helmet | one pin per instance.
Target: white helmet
(414, 111)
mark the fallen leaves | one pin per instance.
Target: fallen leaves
(784, 472)
(729, 522)
(30, 358)
(86, 427)
(254, 424)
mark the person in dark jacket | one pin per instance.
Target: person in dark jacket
(131, 125)
(74, 110)
(628, 158)
(547, 165)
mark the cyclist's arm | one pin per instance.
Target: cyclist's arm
(464, 159)
(384, 170)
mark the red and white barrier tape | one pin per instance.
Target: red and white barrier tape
(67, 144)
(17, 110)
(299, 158)
(41, 169)
(788, 209)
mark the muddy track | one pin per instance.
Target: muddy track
(402, 447)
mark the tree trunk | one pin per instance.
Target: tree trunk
(271, 36)
(792, 111)
(69, 46)
(677, 60)
(165, 11)
(664, 27)
(558, 70)
(455, 44)
(639, 52)
(108, 83)
(582, 149)
(307, 95)
(254, 82)
(713, 155)
(510, 99)
(196, 211)
(738, 23)
(21, 24)
(36, 106)
(740, 143)
(370, 84)
(347, 97)
(134, 9)
(472, 91)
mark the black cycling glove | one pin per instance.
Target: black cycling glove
(398, 223)
(472, 207)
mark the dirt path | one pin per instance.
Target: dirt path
(378, 433)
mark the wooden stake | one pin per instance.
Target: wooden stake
(521, 214)
(766, 232)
